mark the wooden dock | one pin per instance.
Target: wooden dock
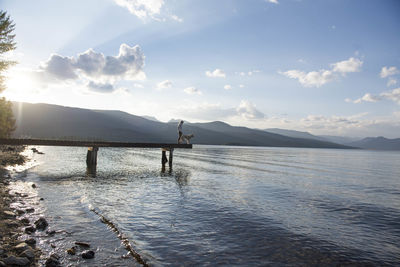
(93, 147)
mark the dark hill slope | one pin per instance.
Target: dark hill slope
(53, 121)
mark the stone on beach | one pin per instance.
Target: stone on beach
(21, 247)
(9, 213)
(16, 261)
(28, 253)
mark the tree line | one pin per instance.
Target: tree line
(7, 43)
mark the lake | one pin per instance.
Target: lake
(244, 206)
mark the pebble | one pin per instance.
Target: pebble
(18, 261)
(41, 224)
(88, 254)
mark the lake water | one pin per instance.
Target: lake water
(229, 206)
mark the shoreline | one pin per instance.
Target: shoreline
(26, 236)
(16, 247)
(19, 219)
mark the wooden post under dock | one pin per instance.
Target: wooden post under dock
(91, 157)
(164, 158)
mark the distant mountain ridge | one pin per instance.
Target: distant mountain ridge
(59, 122)
(378, 143)
(374, 143)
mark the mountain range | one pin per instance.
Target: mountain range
(59, 122)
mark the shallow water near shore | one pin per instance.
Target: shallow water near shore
(222, 205)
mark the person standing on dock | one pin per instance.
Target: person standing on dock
(180, 130)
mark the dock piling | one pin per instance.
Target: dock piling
(91, 157)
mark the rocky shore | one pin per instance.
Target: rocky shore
(22, 226)
(14, 250)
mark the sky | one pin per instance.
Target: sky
(327, 67)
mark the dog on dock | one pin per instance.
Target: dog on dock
(186, 138)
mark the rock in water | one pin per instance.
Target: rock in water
(30, 229)
(41, 224)
(71, 251)
(16, 261)
(53, 261)
(88, 254)
(82, 244)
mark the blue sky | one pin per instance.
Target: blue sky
(326, 67)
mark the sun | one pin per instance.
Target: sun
(21, 86)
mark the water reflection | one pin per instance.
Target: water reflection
(233, 206)
(91, 171)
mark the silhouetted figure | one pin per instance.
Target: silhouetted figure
(180, 131)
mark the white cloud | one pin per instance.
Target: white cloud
(176, 18)
(273, 1)
(389, 71)
(345, 66)
(217, 73)
(360, 125)
(192, 91)
(228, 87)
(164, 85)
(312, 78)
(241, 85)
(248, 73)
(59, 67)
(206, 111)
(142, 8)
(332, 122)
(100, 87)
(244, 112)
(393, 95)
(321, 77)
(94, 67)
(367, 98)
(249, 111)
(138, 85)
(391, 82)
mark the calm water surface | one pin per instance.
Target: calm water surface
(224, 205)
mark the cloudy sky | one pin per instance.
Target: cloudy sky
(326, 67)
